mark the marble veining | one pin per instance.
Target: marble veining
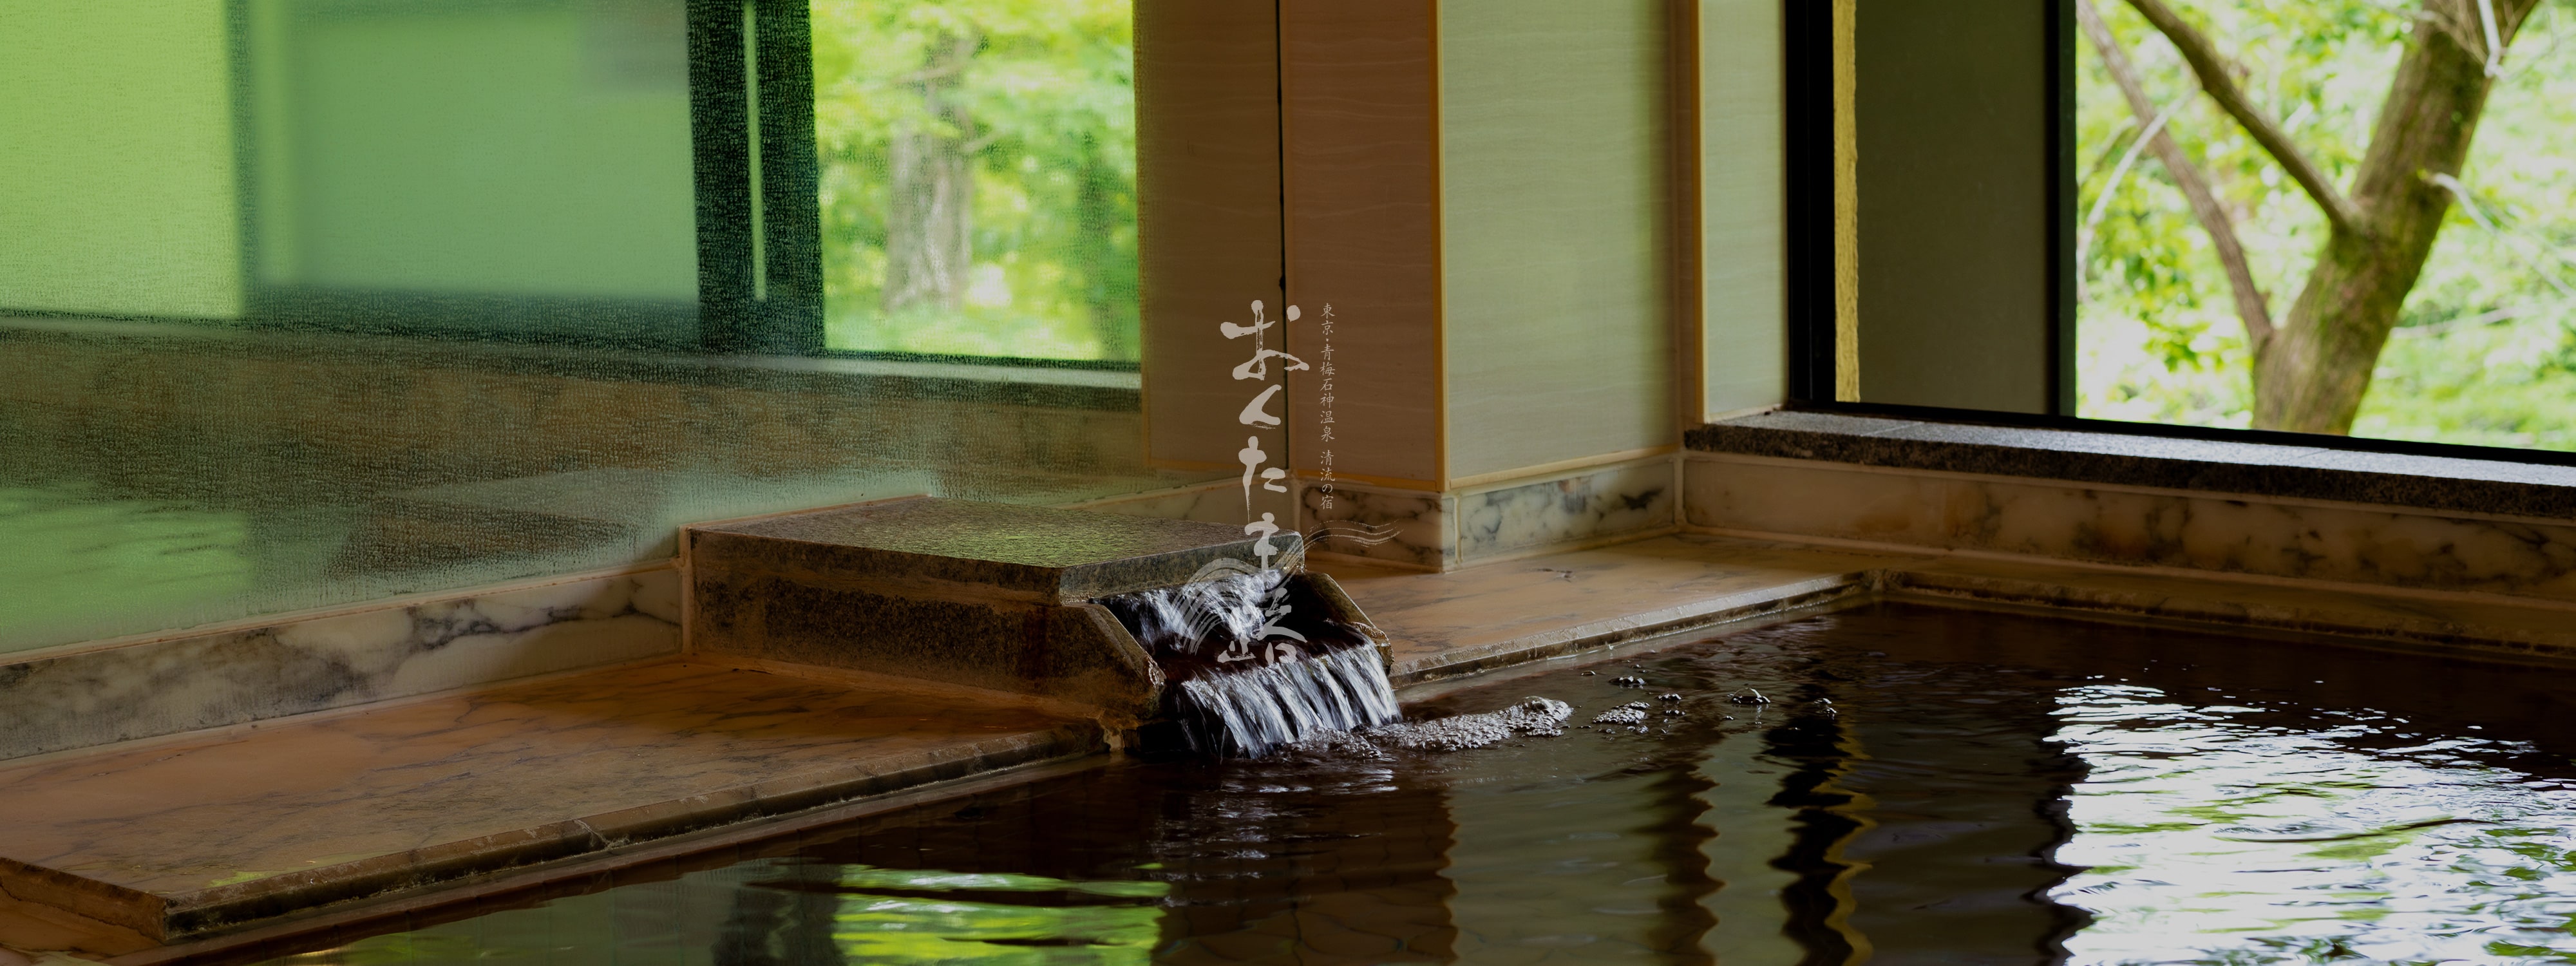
(2239, 534)
(1609, 502)
(1445, 531)
(164, 687)
(1410, 528)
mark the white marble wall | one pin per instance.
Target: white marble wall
(72, 698)
(2133, 525)
(1405, 528)
(1445, 531)
(1602, 503)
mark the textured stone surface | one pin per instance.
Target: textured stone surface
(1505, 613)
(2449, 624)
(1532, 609)
(191, 834)
(980, 594)
(1071, 652)
(1464, 528)
(1405, 528)
(2387, 546)
(52, 701)
(2318, 473)
(1592, 506)
(1032, 553)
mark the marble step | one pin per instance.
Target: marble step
(202, 833)
(987, 595)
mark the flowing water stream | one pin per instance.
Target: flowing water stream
(1256, 662)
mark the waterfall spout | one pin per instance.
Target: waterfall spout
(1257, 660)
(1252, 712)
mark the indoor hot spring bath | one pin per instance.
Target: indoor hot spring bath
(1891, 783)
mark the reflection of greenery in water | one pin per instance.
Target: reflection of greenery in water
(2264, 844)
(785, 913)
(70, 556)
(1026, 144)
(1914, 819)
(885, 917)
(2484, 352)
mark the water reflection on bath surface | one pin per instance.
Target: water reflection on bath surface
(1925, 786)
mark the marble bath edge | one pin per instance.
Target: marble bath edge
(69, 698)
(2133, 526)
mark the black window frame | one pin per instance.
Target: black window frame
(1808, 183)
(789, 321)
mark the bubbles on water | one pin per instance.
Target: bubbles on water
(1338, 744)
(1750, 695)
(1633, 712)
(1530, 717)
(1535, 717)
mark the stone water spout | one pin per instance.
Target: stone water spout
(1258, 659)
(1162, 627)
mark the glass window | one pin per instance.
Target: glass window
(978, 177)
(490, 170)
(2347, 216)
(313, 302)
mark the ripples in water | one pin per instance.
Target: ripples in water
(1924, 786)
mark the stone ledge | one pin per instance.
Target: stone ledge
(61, 699)
(195, 834)
(2441, 483)
(1462, 622)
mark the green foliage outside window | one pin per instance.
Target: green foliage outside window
(2484, 349)
(978, 168)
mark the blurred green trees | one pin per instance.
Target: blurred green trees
(2484, 349)
(978, 168)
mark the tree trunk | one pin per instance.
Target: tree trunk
(2311, 375)
(930, 209)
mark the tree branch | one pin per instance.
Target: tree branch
(2251, 306)
(2217, 79)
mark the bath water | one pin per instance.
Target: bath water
(1924, 785)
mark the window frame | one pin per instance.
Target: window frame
(790, 320)
(736, 311)
(1808, 204)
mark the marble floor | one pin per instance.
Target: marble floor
(1482, 617)
(171, 837)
